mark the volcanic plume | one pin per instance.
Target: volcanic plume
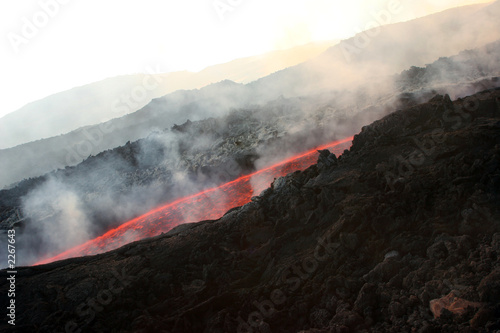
(206, 205)
(359, 244)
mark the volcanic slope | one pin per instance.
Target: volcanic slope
(408, 217)
(344, 66)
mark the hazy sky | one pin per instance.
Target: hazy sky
(53, 45)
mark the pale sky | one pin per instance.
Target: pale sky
(48, 46)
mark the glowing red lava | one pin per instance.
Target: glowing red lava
(206, 205)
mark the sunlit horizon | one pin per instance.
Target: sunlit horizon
(85, 42)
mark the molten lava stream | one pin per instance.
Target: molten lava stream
(206, 205)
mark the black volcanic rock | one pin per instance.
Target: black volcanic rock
(140, 175)
(408, 215)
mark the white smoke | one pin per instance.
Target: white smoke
(57, 219)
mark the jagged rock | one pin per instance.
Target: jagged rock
(452, 303)
(310, 251)
(391, 254)
(320, 318)
(367, 297)
(437, 251)
(384, 271)
(326, 159)
(489, 288)
(350, 241)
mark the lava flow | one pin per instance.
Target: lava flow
(207, 205)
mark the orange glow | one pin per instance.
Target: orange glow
(206, 205)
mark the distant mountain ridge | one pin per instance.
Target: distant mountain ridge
(331, 71)
(393, 49)
(115, 97)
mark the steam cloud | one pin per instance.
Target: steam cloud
(257, 124)
(58, 220)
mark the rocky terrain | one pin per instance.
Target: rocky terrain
(122, 183)
(169, 164)
(399, 234)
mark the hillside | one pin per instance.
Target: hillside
(400, 233)
(390, 49)
(115, 97)
(372, 66)
(184, 159)
(455, 75)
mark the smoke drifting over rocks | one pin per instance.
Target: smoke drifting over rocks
(364, 241)
(359, 242)
(384, 52)
(57, 219)
(117, 185)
